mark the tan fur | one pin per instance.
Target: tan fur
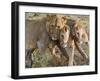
(81, 32)
(61, 21)
(83, 37)
(55, 25)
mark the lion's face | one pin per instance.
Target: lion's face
(81, 32)
(64, 36)
(61, 21)
(82, 35)
(54, 24)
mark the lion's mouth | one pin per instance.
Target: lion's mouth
(64, 45)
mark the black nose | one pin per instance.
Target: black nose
(58, 26)
(62, 36)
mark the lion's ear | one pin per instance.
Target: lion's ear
(64, 17)
(54, 15)
(48, 17)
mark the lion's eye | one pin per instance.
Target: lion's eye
(83, 36)
(58, 26)
(78, 33)
(65, 29)
(77, 28)
(52, 25)
(62, 36)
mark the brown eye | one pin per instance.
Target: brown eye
(62, 36)
(58, 26)
(76, 28)
(52, 25)
(83, 36)
(65, 29)
(78, 33)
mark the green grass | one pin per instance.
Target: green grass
(40, 60)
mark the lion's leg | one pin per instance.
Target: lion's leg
(71, 55)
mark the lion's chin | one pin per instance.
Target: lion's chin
(64, 45)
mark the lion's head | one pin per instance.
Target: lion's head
(54, 24)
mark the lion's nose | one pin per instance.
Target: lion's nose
(65, 45)
(58, 27)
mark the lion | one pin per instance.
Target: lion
(40, 33)
(77, 32)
